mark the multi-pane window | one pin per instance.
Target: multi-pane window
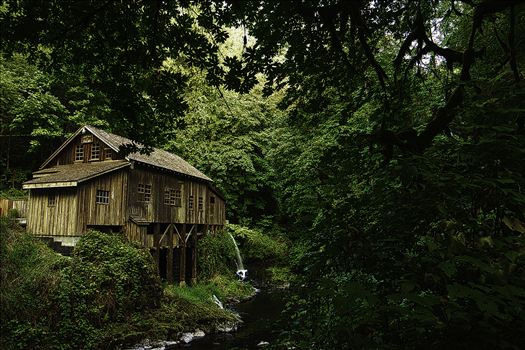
(144, 191)
(95, 151)
(173, 196)
(102, 197)
(108, 154)
(178, 197)
(51, 200)
(200, 204)
(190, 202)
(79, 152)
(167, 196)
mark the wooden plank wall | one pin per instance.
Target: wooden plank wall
(114, 213)
(57, 220)
(156, 211)
(138, 233)
(67, 155)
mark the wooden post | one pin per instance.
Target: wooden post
(156, 243)
(194, 260)
(169, 269)
(182, 255)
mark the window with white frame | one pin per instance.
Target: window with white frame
(173, 196)
(144, 191)
(95, 151)
(102, 197)
(79, 153)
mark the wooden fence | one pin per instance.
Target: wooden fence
(18, 204)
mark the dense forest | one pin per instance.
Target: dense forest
(384, 140)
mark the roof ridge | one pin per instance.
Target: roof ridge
(176, 163)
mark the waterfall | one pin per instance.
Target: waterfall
(241, 271)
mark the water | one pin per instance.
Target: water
(259, 315)
(240, 265)
(242, 273)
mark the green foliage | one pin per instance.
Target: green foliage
(27, 104)
(107, 280)
(50, 301)
(215, 256)
(114, 55)
(229, 288)
(30, 276)
(13, 193)
(13, 213)
(224, 287)
(257, 246)
(281, 276)
(227, 136)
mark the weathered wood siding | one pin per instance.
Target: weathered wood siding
(18, 204)
(217, 210)
(91, 213)
(138, 233)
(67, 155)
(155, 210)
(60, 219)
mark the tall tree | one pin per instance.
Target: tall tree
(117, 49)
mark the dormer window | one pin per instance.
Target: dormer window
(95, 151)
(79, 153)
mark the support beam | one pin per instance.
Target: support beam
(169, 270)
(156, 240)
(194, 261)
(182, 256)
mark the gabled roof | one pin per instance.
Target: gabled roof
(70, 175)
(157, 158)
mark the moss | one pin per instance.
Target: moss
(231, 289)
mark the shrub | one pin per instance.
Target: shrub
(30, 277)
(216, 255)
(108, 279)
(49, 301)
(255, 245)
(13, 213)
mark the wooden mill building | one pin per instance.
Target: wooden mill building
(158, 200)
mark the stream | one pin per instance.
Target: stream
(259, 315)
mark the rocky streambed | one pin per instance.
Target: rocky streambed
(256, 327)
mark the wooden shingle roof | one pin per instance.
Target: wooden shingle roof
(157, 158)
(70, 175)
